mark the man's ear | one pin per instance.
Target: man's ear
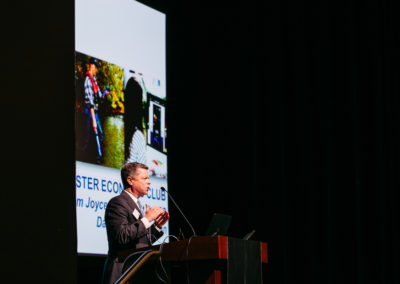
(130, 181)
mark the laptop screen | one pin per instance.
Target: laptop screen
(218, 225)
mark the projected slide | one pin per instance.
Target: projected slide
(120, 104)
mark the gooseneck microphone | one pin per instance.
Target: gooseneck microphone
(169, 194)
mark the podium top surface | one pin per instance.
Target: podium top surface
(197, 248)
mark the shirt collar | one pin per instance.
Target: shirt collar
(132, 196)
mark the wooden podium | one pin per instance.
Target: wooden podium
(209, 260)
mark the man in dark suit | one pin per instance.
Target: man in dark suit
(127, 226)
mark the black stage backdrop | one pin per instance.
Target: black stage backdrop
(37, 141)
(282, 114)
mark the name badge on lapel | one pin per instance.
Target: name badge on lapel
(136, 214)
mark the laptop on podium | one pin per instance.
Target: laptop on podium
(218, 225)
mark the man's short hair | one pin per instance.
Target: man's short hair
(130, 170)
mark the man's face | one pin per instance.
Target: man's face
(140, 183)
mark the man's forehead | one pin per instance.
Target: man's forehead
(142, 171)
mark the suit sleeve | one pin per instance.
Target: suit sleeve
(155, 234)
(123, 229)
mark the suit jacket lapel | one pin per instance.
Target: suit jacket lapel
(132, 205)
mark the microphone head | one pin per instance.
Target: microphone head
(163, 188)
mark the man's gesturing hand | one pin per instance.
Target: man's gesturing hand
(153, 213)
(162, 219)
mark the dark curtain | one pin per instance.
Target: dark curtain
(291, 126)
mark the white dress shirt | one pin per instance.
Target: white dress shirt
(146, 222)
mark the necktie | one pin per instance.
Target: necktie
(140, 207)
(148, 231)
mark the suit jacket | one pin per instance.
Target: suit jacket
(124, 231)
